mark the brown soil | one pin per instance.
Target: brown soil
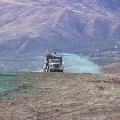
(62, 96)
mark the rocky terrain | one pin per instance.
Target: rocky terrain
(62, 96)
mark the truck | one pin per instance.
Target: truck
(54, 63)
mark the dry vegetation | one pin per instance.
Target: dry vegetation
(61, 96)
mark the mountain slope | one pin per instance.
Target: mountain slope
(66, 24)
(112, 68)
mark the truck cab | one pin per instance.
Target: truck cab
(54, 63)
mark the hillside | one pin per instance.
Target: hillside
(36, 25)
(61, 96)
(112, 68)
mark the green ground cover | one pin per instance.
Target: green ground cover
(11, 84)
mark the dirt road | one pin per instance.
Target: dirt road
(62, 96)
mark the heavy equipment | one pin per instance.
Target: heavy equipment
(54, 62)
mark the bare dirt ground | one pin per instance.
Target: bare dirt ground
(62, 96)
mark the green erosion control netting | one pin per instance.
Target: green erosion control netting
(12, 84)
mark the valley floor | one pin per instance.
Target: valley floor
(63, 96)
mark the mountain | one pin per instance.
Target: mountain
(38, 25)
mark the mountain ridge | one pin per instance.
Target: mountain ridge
(66, 24)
